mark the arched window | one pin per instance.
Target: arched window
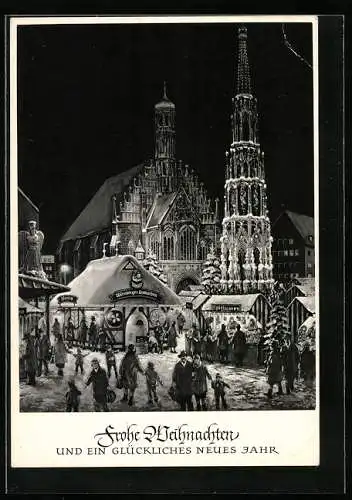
(168, 246)
(154, 244)
(188, 244)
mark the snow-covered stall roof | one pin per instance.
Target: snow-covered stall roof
(243, 302)
(123, 276)
(308, 303)
(22, 304)
(197, 299)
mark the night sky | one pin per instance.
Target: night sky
(86, 107)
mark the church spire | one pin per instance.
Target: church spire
(165, 95)
(243, 76)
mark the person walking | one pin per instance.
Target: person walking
(79, 360)
(197, 342)
(290, 358)
(93, 334)
(274, 370)
(307, 365)
(223, 344)
(152, 378)
(212, 345)
(70, 333)
(128, 371)
(172, 337)
(60, 355)
(159, 335)
(43, 354)
(83, 332)
(182, 382)
(219, 392)
(30, 357)
(111, 361)
(200, 386)
(239, 346)
(56, 329)
(100, 383)
(72, 397)
(41, 327)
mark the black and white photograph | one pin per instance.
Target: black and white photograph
(166, 204)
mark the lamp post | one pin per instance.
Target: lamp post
(64, 270)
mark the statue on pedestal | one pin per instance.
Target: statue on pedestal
(30, 243)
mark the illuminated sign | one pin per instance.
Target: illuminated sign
(67, 299)
(226, 307)
(127, 293)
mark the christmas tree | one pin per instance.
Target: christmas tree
(211, 273)
(277, 327)
(152, 265)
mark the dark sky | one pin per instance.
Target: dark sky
(86, 98)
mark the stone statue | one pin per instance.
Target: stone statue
(30, 244)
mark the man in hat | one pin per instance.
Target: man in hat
(129, 368)
(99, 380)
(93, 333)
(182, 382)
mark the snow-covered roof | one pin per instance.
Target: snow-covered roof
(22, 304)
(305, 285)
(103, 277)
(196, 300)
(307, 302)
(161, 206)
(244, 302)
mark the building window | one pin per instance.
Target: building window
(309, 265)
(93, 247)
(290, 241)
(285, 253)
(203, 250)
(309, 275)
(154, 244)
(292, 253)
(309, 252)
(187, 249)
(296, 252)
(310, 238)
(168, 246)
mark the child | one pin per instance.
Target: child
(72, 397)
(110, 361)
(79, 360)
(152, 343)
(152, 379)
(219, 391)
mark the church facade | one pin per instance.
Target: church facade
(158, 207)
(246, 257)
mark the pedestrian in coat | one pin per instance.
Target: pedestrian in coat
(111, 361)
(70, 333)
(43, 353)
(99, 380)
(261, 350)
(290, 358)
(102, 339)
(172, 337)
(72, 397)
(60, 355)
(152, 378)
(41, 327)
(56, 329)
(31, 362)
(197, 342)
(200, 386)
(83, 332)
(188, 341)
(219, 392)
(182, 382)
(129, 368)
(307, 365)
(93, 333)
(274, 370)
(159, 335)
(239, 346)
(223, 344)
(212, 345)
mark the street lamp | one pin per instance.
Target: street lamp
(65, 269)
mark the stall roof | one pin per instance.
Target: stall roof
(307, 302)
(22, 304)
(109, 275)
(196, 300)
(305, 286)
(30, 287)
(246, 302)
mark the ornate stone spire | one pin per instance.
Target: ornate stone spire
(243, 75)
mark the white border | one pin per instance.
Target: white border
(294, 433)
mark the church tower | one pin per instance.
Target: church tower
(165, 144)
(246, 261)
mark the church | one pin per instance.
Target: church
(159, 207)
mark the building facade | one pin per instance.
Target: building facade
(49, 266)
(246, 261)
(159, 206)
(293, 246)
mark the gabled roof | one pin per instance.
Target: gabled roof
(303, 223)
(160, 207)
(97, 215)
(246, 302)
(305, 285)
(307, 302)
(22, 304)
(197, 299)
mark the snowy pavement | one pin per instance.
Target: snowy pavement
(247, 388)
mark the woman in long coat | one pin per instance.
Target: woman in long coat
(212, 345)
(60, 355)
(274, 370)
(223, 344)
(307, 365)
(172, 337)
(83, 331)
(128, 371)
(31, 361)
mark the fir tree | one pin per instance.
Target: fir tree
(211, 273)
(152, 265)
(277, 327)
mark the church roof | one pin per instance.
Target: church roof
(97, 214)
(160, 208)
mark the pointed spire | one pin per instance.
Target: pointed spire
(165, 95)
(243, 76)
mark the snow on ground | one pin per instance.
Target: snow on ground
(247, 392)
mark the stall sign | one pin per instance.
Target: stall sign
(67, 299)
(226, 307)
(143, 293)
